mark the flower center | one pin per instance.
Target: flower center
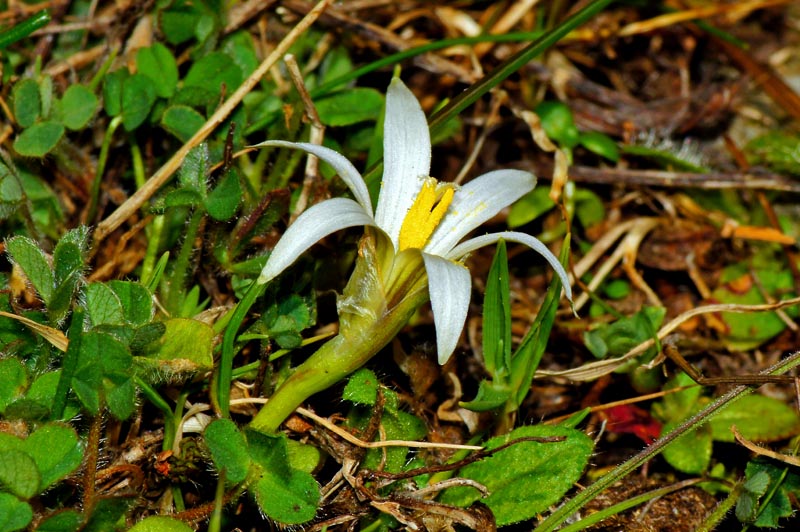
(425, 214)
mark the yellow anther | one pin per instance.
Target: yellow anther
(425, 214)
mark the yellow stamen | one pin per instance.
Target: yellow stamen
(425, 214)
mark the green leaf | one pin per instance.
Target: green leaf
(303, 457)
(361, 388)
(530, 206)
(46, 95)
(56, 450)
(29, 256)
(183, 198)
(616, 288)
(680, 405)
(691, 453)
(284, 494)
(747, 507)
(780, 505)
(616, 339)
(758, 418)
(349, 107)
(136, 300)
(120, 394)
(13, 381)
(223, 202)
(61, 300)
(558, 122)
(497, 317)
(667, 154)
(102, 305)
(18, 473)
(137, 98)
(288, 500)
(27, 409)
(528, 477)
(182, 121)
(14, 513)
(240, 47)
(157, 523)
(396, 425)
(193, 170)
(228, 449)
(780, 484)
(70, 364)
(78, 106)
(158, 64)
(777, 150)
(112, 91)
(47, 212)
(757, 484)
(747, 331)
(179, 22)
(489, 397)
(61, 521)
(76, 237)
(101, 356)
(68, 268)
(589, 208)
(146, 334)
(11, 192)
(284, 320)
(109, 514)
(186, 346)
(601, 144)
(525, 360)
(268, 450)
(43, 392)
(27, 103)
(213, 71)
(337, 63)
(39, 139)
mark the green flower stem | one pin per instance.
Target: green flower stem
(138, 164)
(335, 360)
(68, 365)
(721, 510)
(226, 358)
(24, 28)
(94, 193)
(99, 76)
(159, 402)
(558, 517)
(176, 280)
(154, 232)
(382, 294)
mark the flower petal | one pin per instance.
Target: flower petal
(351, 177)
(476, 202)
(520, 238)
(449, 285)
(406, 157)
(314, 224)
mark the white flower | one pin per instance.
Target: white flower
(414, 211)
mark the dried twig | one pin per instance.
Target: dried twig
(785, 458)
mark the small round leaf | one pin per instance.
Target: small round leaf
(39, 139)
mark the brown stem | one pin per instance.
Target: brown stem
(90, 462)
